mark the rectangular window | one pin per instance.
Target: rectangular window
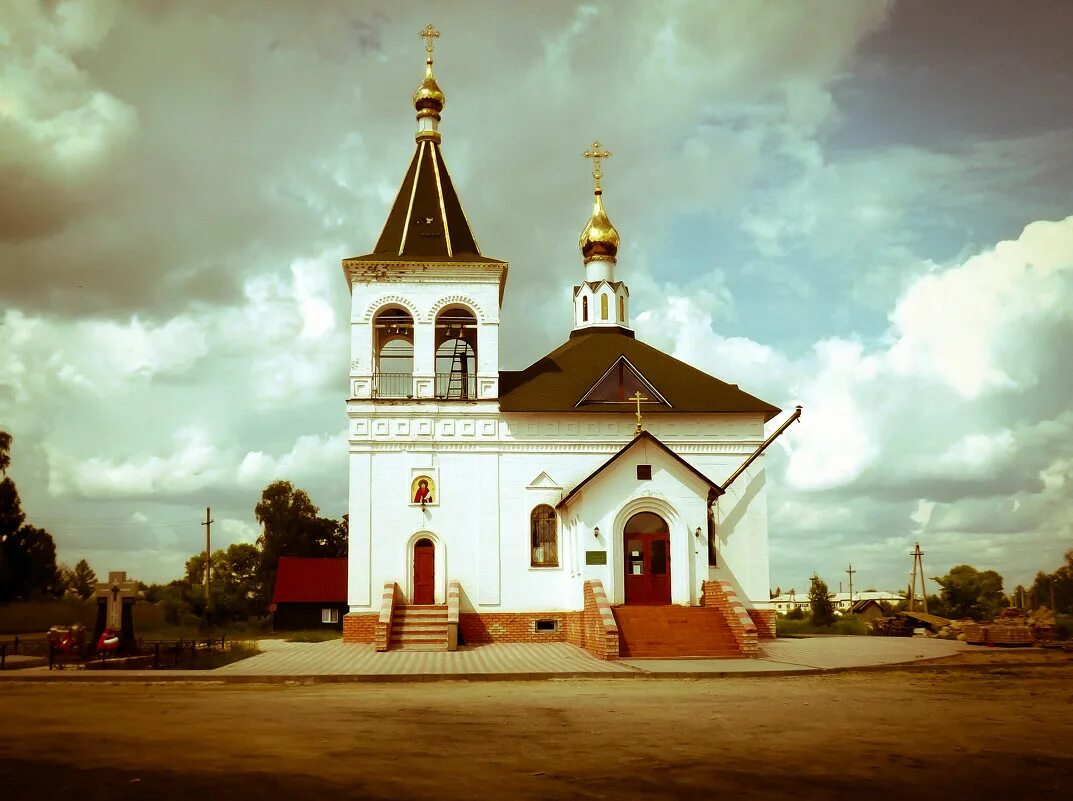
(546, 625)
(644, 472)
(329, 615)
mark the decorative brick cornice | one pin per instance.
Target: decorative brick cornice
(389, 300)
(461, 300)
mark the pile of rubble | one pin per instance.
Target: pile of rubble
(1013, 627)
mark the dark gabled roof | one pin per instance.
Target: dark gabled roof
(426, 222)
(557, 382)
(713, 489)
(305, 580)
(862, 605)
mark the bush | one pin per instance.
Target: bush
(1063, 625)
(851, 625)
(795, 614)
(192, 622)
(819, 599)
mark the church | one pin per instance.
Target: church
(607, 495)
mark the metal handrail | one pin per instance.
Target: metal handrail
(393, 385)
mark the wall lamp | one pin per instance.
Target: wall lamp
(697, 532)
(596, 532)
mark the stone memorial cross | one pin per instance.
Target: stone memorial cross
(117, 589)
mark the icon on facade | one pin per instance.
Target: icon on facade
(423, 490)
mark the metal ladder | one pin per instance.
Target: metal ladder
(459, 372)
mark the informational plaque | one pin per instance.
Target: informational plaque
(596, 557)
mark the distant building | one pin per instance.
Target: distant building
(868, 610)
(784, 602)
(309, 593)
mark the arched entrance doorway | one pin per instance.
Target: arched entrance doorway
(647, 539)
(424, 573)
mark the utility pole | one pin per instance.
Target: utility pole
(208, 554)
(918, 561)
(851, 571)
(1053, 610)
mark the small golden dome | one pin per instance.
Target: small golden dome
(599, 239)
(428, 98)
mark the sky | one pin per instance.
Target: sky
(862, 207)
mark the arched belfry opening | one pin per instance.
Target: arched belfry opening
(456, 354)
(393, 346)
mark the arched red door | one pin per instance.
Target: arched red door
(647, 559)
(424, 573)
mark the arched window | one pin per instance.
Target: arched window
(584, 310)
(603, 307)
(456, 354)
(621, 309)
(393, 341)
(544, 537)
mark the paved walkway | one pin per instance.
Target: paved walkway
(337, 658)
(812, 655)
(338, 661)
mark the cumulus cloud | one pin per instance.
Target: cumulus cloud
(310, 458)
(924, 420)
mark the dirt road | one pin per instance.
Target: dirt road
(999, 735)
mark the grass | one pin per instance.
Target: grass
(848, 625)
(236, 651)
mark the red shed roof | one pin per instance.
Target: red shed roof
(303, 580)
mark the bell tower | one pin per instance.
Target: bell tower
(425, 303)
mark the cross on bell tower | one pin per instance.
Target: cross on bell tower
(596, 153)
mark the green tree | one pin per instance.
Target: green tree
(970, 593)
(235, 590)
(819, 601)
(291, 525)
(30, 555)
(1061, 580)
(82, 581)
(27, 553)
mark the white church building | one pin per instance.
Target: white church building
(583, 498)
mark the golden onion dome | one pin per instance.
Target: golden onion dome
(599, 239)
(429, 97)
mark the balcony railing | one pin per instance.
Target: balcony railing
(449, 386)
(456, 386)
(393, 385)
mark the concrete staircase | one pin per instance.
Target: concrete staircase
(674, 631)
(419, 628)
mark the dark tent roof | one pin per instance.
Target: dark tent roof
(426, 222)
(713, 489)
(557, 382)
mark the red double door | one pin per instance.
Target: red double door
(424, 573)
(648, 567)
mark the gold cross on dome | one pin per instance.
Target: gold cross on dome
(598, 152)
(638, 397)
(428, 34)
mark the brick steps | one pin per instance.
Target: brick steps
(674, 631)
(418, 628)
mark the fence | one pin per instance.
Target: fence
(22, 646)
(147, 654)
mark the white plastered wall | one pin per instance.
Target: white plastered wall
(490, 465)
